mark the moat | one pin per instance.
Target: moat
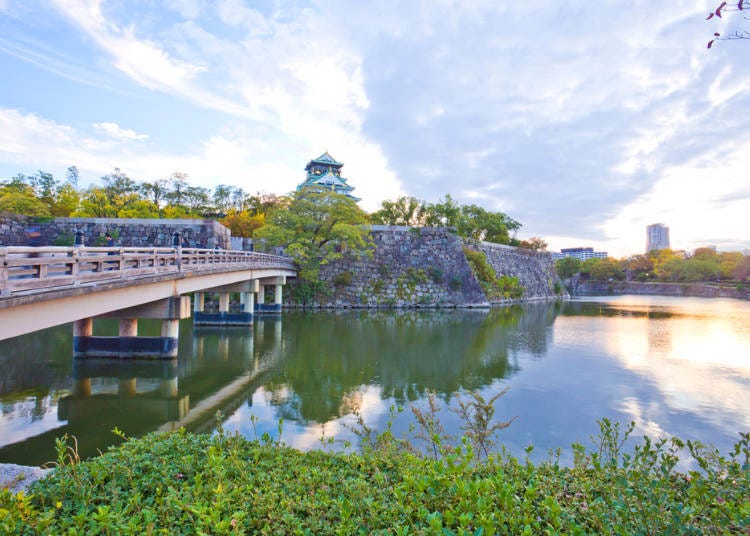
(675, 366)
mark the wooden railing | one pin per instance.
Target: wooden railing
(25, 269)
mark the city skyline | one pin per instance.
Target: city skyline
(627, 119)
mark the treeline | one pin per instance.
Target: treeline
(119, 196)
(704, 264)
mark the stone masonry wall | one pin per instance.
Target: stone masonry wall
(409, 267)
(13, 230)
(535, 270)
(126, 232)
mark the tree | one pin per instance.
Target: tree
(243, 223)
(67, 200)
(72, 176)
(639, 267)
(567, 267)
(317, 227)
(602, 269)
(222, 199)
(726, 7)
(404, 211)
(534, 243)
(479, 224)
(17, 197)
(154, 191)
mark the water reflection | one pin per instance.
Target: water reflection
(675, 366)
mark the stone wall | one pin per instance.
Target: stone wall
(409, 267)
(13, 230)
(127, 232)
(698, 290)
(535, 270)
(426, 267)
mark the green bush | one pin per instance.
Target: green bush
(180, 483)
(343, 279)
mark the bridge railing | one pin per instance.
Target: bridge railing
(24, 269)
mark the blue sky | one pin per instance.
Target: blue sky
(584, 121)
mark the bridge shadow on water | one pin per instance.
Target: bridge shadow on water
(309, 365)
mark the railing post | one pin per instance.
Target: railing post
(4, 290)
(74, 266)
(177, 245)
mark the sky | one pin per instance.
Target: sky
(585, 121)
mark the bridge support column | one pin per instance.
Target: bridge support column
(128, 344)
(127, 387)
(224, 317)
(199, 302)
(275, 307)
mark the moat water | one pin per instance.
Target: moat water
(675, 366)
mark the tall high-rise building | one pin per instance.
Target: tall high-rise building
(657, 237)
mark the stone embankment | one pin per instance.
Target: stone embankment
(426, 267)
(534, 270)
(697, 290)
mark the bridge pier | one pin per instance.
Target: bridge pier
(224, 317)
(128, 344)
(270, 308)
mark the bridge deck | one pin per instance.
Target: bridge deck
(27, 270)
(49, 286)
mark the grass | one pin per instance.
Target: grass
(181, 483)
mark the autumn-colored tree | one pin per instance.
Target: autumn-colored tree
(242, 223)
(534, 243)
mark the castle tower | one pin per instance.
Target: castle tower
(325, 171)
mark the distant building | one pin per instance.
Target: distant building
(657, 237)
(580, 253)
(326, 172)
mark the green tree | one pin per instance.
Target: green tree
(154, 191)
(603, 269)
(66, 201)
(567, 267)
(317, 227)
(403, 211)
(95, 203)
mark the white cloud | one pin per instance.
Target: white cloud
(115, 131)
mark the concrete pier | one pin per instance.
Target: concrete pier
(128, 344)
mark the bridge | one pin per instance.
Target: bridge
(42, 287)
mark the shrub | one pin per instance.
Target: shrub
(181, 483)
(343, 279)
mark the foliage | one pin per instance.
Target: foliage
(602, 269)
(470, 221)
(243, 223)
(567, 267)
(502, 287)
(317, 227)
(180, 483)
(404, 211)
(343, 279)
(534, 243)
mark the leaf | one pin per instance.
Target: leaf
(711, 42)
(739, 4)
(718, 9)
(710, 15)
